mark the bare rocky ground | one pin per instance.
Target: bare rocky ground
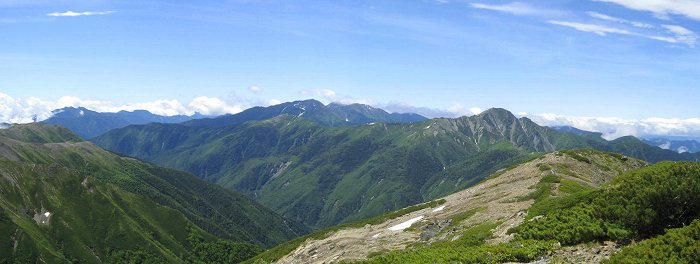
(584, 253)
(496, 201)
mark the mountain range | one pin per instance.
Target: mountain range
(332, 115)
(489, 187)
(321, 174)
(66, 200)
(88, 124)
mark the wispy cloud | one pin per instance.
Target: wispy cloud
(515, 8)
(324, 94)
(681, 35)
(461, 110)
(663, 8)
(678, 34)
(666, 33)
(436, 32)
(75, 14)
(592, 28)
(619, 20)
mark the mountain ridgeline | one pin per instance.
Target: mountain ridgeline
(66, 200)
(333, 114)
(320, 174)
(89, 124)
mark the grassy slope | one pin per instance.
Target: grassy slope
(655, 206)
(323, 176)
(573, 177)
(100, 203)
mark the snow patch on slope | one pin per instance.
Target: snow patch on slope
(406, 224)
(438, 209)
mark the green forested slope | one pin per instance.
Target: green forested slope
(67, 200)
(319, 175)
(327, 175)
(656, 205)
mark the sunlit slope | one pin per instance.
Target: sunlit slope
(323, 175)
(64, 199)
(468, 221)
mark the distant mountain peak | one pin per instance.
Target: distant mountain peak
(308, 103)
(500, 112)
(333, 114)
(89, 124)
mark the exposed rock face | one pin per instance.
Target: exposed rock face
(495, 125)
(43, 217)
(432, 229)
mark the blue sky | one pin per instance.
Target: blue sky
(570, 62)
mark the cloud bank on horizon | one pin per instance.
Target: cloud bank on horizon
(25, 110)
(636, 58)
(19, 110)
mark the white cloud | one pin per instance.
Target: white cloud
(325, 94)
(23, 110)
(515, 8)
(158, 107)
(274, 102)
(663, 8)
(75, 14)
(619, 20)
(678, 30)
(476, 110)
(254, 88)
(330, 96)
(592, 28)
(351, 100)
(679, 34)
(613, 127)
(461, 110)
(213, 106)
